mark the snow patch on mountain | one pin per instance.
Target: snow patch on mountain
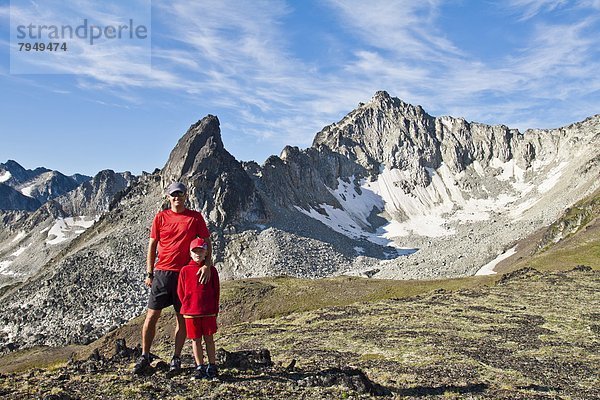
(27, 190)
(20, 250)
(517, 212)
(509, 170)
(4, 176)
(5, 271)
(488, 269)
(358, 204)
(19, 236)
(475, 210)
(68, 228)
(553, 177)
(4, 267)
(431, 211)
(336, 219)
(359, 250)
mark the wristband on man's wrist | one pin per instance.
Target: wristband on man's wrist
(150, 275)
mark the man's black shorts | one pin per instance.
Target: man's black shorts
(164, 291)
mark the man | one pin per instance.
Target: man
(172, 232)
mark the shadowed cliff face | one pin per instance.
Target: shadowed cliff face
(11, 199)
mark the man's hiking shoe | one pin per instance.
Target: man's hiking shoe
(211, 371)
(200, 372)
(175, 365)
(141, 365)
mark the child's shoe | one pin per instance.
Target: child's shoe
(211, 372)
(200, 372)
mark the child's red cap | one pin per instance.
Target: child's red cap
(198, 242)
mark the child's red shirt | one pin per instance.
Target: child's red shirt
(197, 298)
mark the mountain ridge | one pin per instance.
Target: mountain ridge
(40, 184)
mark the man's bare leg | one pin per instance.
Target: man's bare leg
(149, 330)
(180, 334)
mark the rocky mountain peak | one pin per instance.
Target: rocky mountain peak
(12, 173)
(41, 184)
(217, 182)
(201, 141)
(383, 101)
(12, 165)
(384, 132)
(94, 196)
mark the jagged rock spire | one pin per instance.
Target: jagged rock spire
(202, 140)
(217, 182)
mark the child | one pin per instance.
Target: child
(199, 307)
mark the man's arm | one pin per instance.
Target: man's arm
(150, 260)
(208, 261)
(204, 272)
(181, 286)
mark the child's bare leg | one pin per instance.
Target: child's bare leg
(210, 348)
(197, 350)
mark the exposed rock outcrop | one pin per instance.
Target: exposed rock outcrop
(217, 182)
(93, 197)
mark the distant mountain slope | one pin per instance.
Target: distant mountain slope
(11, 199)
(573, 239)
(29, 240)
(13, 174)
(94, 196)
(40, 184)
(576, 218)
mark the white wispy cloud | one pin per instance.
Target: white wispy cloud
(555, 59)
(406, 26)
(527, 9)
(114, 63)
(240, 57)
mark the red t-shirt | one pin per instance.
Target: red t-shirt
(174, 233)
(197, 298)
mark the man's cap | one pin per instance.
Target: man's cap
(198, 242)
(176, 187)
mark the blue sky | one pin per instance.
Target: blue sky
(277, 72)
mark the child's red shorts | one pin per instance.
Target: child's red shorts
(199, 326)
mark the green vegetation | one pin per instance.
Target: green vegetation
(531, 335)
(580, 245)
(586, 252)
(38, 357)
(573, 220)
(253, 299)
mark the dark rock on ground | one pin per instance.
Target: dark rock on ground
(249, 359)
